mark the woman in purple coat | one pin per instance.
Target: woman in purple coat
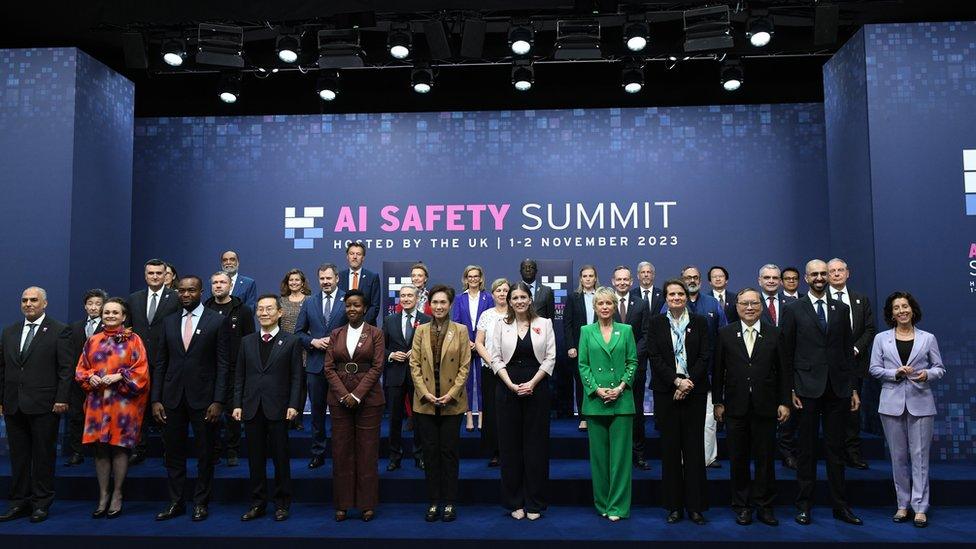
(466, 311)
(907, 361)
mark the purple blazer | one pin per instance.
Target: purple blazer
(461, 313)
(906, 394)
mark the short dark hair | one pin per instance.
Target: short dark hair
(95, 292)
(356, 293)
(327, 266)
(744, 290)
(442, 288)
(356, 244)
(420, 265)
(122, 303)
(793, 269)
(721, 268)
(155, 263)
(912, 302)
(675, 282)
(285, 291)
(269, 296)
(193, 277)
(621, 268)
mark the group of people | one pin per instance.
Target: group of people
(767, 361)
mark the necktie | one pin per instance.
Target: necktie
(750, 340)
(647, 299)
(327, 308)
(822, 315)
(90, 327)
(152, 308)
(266, 337)
(772, 309)
(721, 300)
(623, 309)
(187, 330)
(31, 329)
(840, 296)
(355, 280)
(408, 329)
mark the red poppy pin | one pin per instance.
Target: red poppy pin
(537, 330)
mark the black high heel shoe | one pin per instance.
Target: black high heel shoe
(114, 514)
(100, 512)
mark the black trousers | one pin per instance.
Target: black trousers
(832, 412)
(318, 388)
(852, 431)
(74, 421)
(229, 435)
(441, 439)
(786, 435)
(523, 443)
(577, 387)
(33, 440)
(395, 398)
(176, 439)
(752, 436)
(682, 425)
(147, 424)
(489, 424)
(266, 437)
(640, 385)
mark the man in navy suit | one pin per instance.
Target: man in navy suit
(718, 279)
(362, 279)
(321, 313)
(791, 283)
(190, 387)
(771, 280)
(398, 330)
(240, 286)
(645, 289)
(633, 310)
(819, 349)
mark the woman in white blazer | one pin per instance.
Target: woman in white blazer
(523, 357)
(907, 361)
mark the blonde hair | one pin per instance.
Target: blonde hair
(464, 277)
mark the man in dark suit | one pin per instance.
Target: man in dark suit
(632, 310)
(751, 390)
(542, 297)
(653, 297)
(321, 313)
(147, 309)
(190, 386)
(398, 329)
(267, 395)
(36, 374)
(365, 280)
(718, 279)
(819, 351)
(862, 330)
(240, 286)
(81, 330)
(791, 283)
(774, 301)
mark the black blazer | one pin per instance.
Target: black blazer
(574, 318)
(169, 303)
(657, 299)
(638, 316)
(863, 331)
(276, 385)
(200, 373)
(698, 348)
(739, 379)
(78, 338)
(781, 301)
(544, 301)
(396, 372)
(32, 384)
(811, 354)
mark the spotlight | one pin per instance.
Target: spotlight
(328, 86)
(635, 35)
(399, 41)
(732, 75)
(759, 31)
(633, 78)
(422, 79)
(523, 75)
(288, 47)
(520, 38)
(174, 53)
(229, 90)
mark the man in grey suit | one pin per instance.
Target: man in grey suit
(542, 297)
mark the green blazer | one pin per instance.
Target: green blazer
(605, 365)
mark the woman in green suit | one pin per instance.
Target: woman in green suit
(607, 363)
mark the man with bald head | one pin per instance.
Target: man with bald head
(36, 372)
(819, 349)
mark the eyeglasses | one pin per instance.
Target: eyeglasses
(749, 304)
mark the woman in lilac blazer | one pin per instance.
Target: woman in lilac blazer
(468, 306)
(907, 361)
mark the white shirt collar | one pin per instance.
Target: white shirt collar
(273, 332)
(814, 299)
(158, 292)
(37, 322)
(755, 325)
(195, 312)
(833, 291)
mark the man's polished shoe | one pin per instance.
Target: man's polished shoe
(136, 458)
(419, 463)
(199, 513)
(857, 463)
(254, 512)
(15, 512)
(393, 465)
(675, 516)
(233, 460)
(493, 462)
(174, 510)
(803, 518)
(39, 515)
(789, 462)
(75, 459)
(450, 514)
(281, 514)
(696, 517)
(714, 465)
(767, 517)
(433, 513)
(743, 517)
(642, 464)
(340, 515)
(368, 515)
(845, 515)
(316, 462)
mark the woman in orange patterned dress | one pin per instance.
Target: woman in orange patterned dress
(114, 372)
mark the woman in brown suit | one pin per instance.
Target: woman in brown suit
(439, 363)
(353, 364)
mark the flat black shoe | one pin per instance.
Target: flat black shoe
(393, 465)
(233, 461)
(174, 510)
(281, 515)
(114, 514)
(493, 462)
(136, 459)
(316, 462)
(16, 512)
(450, 514)
(767, 517)
(39, 515)
(200, 513)
(714, 465)
(919, 523)
(368, 515)
(743, 517)
(845, 515)
(254, 512)
(675, 516)
(340, 515)
(696, 517)
(857, 463)
(803, 518)
(642, 464)
(75, 459)
(433, 513)
(902, 518)
(99, 513)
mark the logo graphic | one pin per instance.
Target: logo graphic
(558, 286)
(969, 174)
(306, 224)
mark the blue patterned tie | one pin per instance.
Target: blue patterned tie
(822, 315)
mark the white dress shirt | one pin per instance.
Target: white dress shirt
(37, 329)
(159, 299)
(352, 339)
(826, 306)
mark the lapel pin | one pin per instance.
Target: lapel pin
(280, 342)
(688, 330)
(198, 331)
(858, 301)
(832, 308)
(738, 334)
(44, 329)
(616, 333)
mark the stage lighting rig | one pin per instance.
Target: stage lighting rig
(229, 89)
(327, 87)
(521, 36)
(400, 40)
(523, 74)
(422, 79)
(636, 34)
(220, 45)
(632, 78)
(340, 49)
(732, 75)
(173, 53)
(288, 47)
(759, 31)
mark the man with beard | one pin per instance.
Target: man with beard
(240, 286)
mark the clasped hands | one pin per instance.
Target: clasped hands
(349, 401)
(684, 387)
(95, 381)
(443, 400)
(905, 372)
(522, 389)
(609, 396)
(322, 343)
(400, 356)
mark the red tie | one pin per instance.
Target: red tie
(355, 280)
(772, 310)
(266, 337)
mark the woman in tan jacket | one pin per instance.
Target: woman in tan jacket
(439, 363)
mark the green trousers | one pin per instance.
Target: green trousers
(611, 445)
